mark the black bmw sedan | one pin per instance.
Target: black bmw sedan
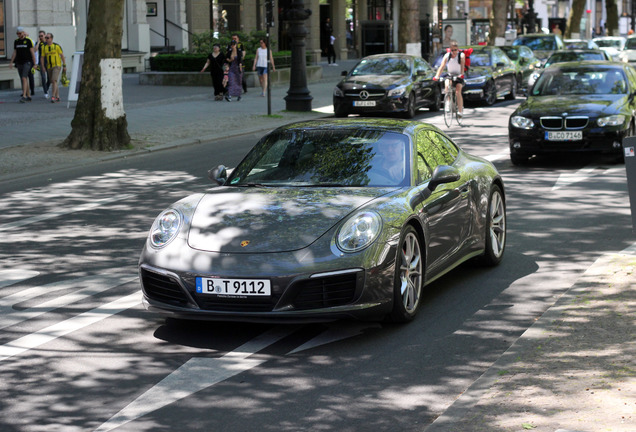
(575, 107)
(387, 83)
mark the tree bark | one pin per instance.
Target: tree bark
(612, 17)
(574, 19)
(409, 24)
(100, 121)
(498, 20)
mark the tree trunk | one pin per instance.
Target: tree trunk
(498, 20)
(612, 17)
(409, 24)
(574, 19)
(100, 121)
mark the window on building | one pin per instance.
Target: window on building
(379, 10)
(3, 33)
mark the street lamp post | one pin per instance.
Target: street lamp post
(298, 97)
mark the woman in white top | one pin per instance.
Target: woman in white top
(260, 64)
(456, 66)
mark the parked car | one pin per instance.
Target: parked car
(575, 107)
(387, 83)
(571, 55)
(525, 61)
(580, 44)
(491, 75)
(628, 54)
(326, 219)
(543, 45)
(612, 45)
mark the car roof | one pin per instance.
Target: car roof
(379, 124)
(586, 65)
(391, 55)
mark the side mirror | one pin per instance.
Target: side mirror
(344, 73)
(443, 174)
(500, 64)
(218, 175)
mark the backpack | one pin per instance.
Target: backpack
(467, 52)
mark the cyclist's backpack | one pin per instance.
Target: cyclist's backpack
(467, 52)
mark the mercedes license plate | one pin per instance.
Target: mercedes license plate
(564, 136)
(233, 288)
(364, 103)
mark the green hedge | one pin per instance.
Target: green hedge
(195, 62)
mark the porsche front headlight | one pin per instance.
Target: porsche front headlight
(165, 228)
(521, 122)
(613, 120)
(359, 231)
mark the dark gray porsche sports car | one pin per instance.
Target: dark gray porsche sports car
(325, 220)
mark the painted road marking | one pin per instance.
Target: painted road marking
(197, 374)
(11, 277)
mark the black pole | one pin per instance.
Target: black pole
(269, 93)
(298, 97)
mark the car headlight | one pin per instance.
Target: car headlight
(337, 92)
(477, 80)
(165, 228)
(613, 120)
(521, 122)
(359, 231)
(398, 91)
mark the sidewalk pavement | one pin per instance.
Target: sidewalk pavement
(573, 370)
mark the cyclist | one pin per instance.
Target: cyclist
(455, 64)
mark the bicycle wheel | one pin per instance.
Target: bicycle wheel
(448, 108)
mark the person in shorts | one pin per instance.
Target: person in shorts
(55, 62)
(24, 58)
(260, 65)
(456, 64)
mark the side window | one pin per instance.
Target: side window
(428, 152)
(448, 148)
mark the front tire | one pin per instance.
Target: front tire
(410, 107)
(409, 277)
(448, 109)
(513, 90)
(339, 112)
(495, 228)
(437, 101)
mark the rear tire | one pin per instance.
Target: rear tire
(409, 277)
(495, 228)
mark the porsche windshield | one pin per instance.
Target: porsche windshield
(599, 81)
(322, 158)
(383, 66)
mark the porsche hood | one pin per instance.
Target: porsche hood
(270, 220)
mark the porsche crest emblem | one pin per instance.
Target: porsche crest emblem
(245, 243)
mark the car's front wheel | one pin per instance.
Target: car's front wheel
(410, 107)
(437, 101)
(495, 228)
(409, 277)
(339, 112)
(513, 90)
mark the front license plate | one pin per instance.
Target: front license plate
(233, 288)
(364, 103)
(564, 136)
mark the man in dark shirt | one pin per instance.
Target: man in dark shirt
(24, 58)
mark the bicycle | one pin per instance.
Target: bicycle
(450, 101)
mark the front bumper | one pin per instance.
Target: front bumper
(532, 142)
(382, 104)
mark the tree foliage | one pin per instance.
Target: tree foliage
(100, 122)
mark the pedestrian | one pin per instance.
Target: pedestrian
(241, 49)
(54, 61)
(32, 70)
(24, 58)
(215, 62)
(260, 64)
(235, 74)
(326, 33)
(331, 52)
(39, 58)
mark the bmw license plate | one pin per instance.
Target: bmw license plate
(564, 136)
(364, 103)
(233, 288)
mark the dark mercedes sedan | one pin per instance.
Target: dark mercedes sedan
(387, 83)
(575, 107)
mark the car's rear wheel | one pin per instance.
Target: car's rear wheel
(490, 93)
(409, 277)
(410, 107)
(437, 101)
(495, 228)
(513, 90)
